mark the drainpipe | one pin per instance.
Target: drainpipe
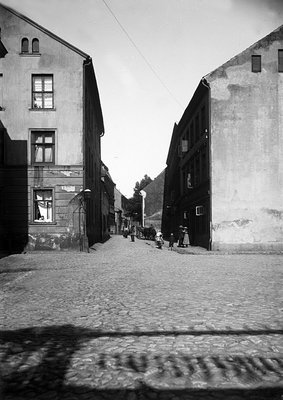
(206, 84)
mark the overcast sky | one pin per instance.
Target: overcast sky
(149, 56)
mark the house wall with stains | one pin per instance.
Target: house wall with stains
(247, 150)
(65, 176)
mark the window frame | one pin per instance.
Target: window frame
(33, 49)
(42, 92)
(280, 58)
(43, 144)
(256, 65)
(42, 222)
(23, 50)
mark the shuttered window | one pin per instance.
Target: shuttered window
(280, 60)
(256, 63)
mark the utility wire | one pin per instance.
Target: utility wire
(141, 54)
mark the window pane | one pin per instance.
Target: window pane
(38, 154)
(43, 206)
(37, 101)
(48, 84)
(256, 63)
(47, 194)
(38, 138)
(35, 46)
(25, 45)
(48, 100)
(280, 60)
(37, 84)
(48, 138)
(48, 154)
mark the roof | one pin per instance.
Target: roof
(277, 34)
(46, 31)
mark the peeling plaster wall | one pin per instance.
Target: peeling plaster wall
(65, 177)
(247, 151)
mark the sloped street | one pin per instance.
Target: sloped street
(129, 321)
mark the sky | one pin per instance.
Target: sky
(149, 56)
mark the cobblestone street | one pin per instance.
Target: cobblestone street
(129, 321)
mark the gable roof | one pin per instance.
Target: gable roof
(277, 34)
(46, 31)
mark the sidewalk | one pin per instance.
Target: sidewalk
(197, 250)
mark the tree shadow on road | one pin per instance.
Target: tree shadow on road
(38, 363)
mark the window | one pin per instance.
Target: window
(25, 45)
(1, 92)
(42, 205)
(42, 147)
(35, 46)
(256, 63)
(42, 91)
(280, 60)
(203, 120)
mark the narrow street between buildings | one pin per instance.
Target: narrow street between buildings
(130, 321)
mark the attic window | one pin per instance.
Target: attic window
(256, 63)
(280, 60)
(25, 45)
(35, 45)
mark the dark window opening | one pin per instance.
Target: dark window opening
(35, 46)
(280, 60)
(256, 63)
(42, 147)
(25, 45)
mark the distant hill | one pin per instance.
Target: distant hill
(154, 201)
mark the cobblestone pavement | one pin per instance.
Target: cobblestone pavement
(129, 321)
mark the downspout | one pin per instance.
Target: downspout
(86, 62)
(206, 84)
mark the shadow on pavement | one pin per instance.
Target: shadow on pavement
(37, 363)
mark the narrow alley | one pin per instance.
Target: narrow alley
(129, 321)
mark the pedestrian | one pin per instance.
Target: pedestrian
(181, 236)
(171, 241)
(133, 233)
(126, 232)
(186, 240)
(159, 240)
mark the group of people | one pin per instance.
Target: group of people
(183, 237)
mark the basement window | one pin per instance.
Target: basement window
(43, 205)
(256, 63)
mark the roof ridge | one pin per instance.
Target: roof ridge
(46, 31)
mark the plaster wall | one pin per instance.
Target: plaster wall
(67, 69)
(247, 152)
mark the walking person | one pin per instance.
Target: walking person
(171, 241)
(133, 233)
(186, 240)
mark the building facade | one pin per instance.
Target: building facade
(51, 127)
(224, 170)
(107, 203)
